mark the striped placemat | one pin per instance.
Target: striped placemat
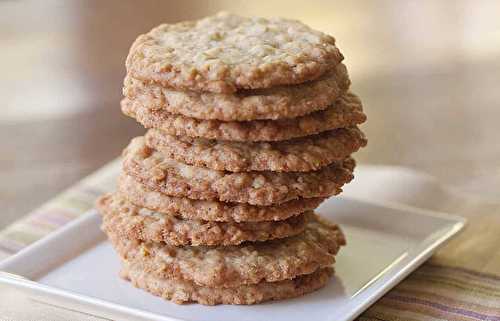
(62, 209)
(460, 283)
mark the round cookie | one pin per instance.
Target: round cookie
(226, 52)
(129, 221)
(232, 266)
(272, 103)
(173, 178)
(190, 209)
(181, 291)
(295, 155)
(347, 111)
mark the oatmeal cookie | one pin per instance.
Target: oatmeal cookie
(182, 291)
(271, 103)
(227, 52)
(129, 221)
(190, 209)
(173, 178)
(345, 112)
(295, 155)
(232, 266)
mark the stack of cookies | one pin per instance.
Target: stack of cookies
(250, 127)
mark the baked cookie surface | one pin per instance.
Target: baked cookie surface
(173, 178)
(186, 208)
(181, 291)
(226, 52)
(347, 111)
(232, 266)
(129, 221)
(295, 155)
(272, 103)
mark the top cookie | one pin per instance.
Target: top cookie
(226, 52)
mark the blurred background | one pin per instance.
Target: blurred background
(428, 73)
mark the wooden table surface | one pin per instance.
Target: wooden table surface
(428, 73)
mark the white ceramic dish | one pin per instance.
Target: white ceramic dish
(77, 268)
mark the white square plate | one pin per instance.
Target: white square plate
(77, 267)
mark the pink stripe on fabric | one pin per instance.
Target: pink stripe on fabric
(442, 307)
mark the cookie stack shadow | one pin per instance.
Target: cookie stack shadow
(215, 203)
